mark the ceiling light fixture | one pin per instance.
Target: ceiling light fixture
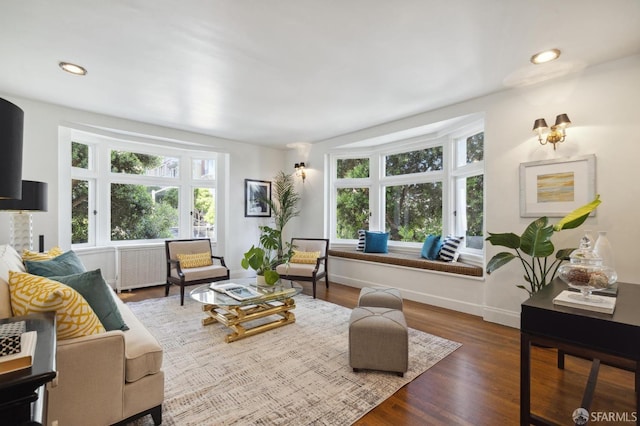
(545, 56)
(73, 68)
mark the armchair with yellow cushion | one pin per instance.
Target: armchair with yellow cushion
(191, 262)
(308, 263)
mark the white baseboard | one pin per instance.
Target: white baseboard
(429, 299)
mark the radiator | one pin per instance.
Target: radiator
(141, 266)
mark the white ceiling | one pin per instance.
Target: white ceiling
(277, 72)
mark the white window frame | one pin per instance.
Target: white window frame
(100, 177)
(449, 176)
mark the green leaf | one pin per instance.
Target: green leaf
(564, 253)
(536, 239)
(499, 260)
(271, 277)
(509, 240)
(578, 216)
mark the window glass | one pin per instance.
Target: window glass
(353, 168)
(352, 212)
(204, 212)
(475, 208)
(203, 169)
(79, 155)
(471, 149)
(413, 211)
(143, 164)
(79, 211)
(140, 212)
(424, 160)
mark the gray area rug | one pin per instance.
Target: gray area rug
(298, 374)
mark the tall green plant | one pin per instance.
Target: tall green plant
(534, 247)
(284, 205)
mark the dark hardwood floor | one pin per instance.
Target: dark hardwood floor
(479, 383)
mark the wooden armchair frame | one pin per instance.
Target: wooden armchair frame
(316, 273)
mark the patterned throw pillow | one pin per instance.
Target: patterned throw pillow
(74, 316)
(361, 238)
(308, 257)
(47, 255)
(449, 249)
(195, 260)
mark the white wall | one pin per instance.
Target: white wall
(603, 103)
(40, 153)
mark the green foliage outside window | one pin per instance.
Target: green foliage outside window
(137, 211)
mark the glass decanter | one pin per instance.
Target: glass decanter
(585, 270)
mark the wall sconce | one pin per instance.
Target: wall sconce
(300, 171)
(556, 134)
(34, 198)
(11, 129)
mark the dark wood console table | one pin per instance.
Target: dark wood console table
(22, 392)
(590, 334)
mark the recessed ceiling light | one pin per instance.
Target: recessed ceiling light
(72, 68)
(545, 56)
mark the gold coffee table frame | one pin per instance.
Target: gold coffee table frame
(277, 300)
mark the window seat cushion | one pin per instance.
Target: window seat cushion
(411, 261)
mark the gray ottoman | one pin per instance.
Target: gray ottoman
(378, 340)
(381, 297)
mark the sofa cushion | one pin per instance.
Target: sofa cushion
(47, 255)
(67, 263)
(299, 269)
(10, 260)
(192, 274)
(95, 290)
(33, 293)
(143, 353)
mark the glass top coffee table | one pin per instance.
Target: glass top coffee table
(236, 314)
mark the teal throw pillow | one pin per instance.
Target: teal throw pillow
(67, 263)
(431, 247)
(95, 290)
(376, 242)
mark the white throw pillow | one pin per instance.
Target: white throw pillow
(10, 260)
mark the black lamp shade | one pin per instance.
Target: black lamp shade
(11, 128)
(539, 124)
(34, 197)
(562, 120)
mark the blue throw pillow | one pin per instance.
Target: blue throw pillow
(431, 247)
(95, 290)
(67, 263)
(376, 242)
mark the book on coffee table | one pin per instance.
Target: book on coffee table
(237, 291)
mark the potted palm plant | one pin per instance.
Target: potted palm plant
(534, 247)
(284, 207)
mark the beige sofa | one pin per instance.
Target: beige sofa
(102, 379)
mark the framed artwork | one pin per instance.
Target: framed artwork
(256, 192)
(554, 188)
